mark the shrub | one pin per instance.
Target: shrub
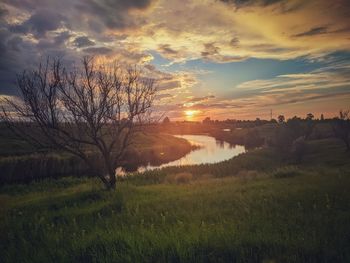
(253, 139)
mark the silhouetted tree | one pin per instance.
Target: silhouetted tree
(282, 140)
(253, 139)
(309, 116)
(341, 128)
(281, 118)
(295, 126)
(322, 117)
(91, 113)
(207, 120)
(310, 125)
(166, 120)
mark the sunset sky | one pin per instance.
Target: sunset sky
(234, 59)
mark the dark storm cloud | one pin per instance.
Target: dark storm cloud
(3, 12)
(62, 37)
(40, 22)
(50, 29)
(15, 43)
(11, 62)
(113, 14)
(18, 53)
(83, 42)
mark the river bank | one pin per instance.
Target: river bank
(19, 166)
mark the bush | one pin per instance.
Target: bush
(253, 139)
(282, 141)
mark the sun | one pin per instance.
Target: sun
(190, 114)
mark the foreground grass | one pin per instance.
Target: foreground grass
(282, 214)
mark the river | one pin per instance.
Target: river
(210, 151)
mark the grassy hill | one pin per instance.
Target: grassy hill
(242, 210)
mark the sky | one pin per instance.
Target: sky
(223, 59)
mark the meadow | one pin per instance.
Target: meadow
(257, 207)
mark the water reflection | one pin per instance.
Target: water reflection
(210, 151)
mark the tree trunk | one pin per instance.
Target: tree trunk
(112, 181)
(111, 173)
(105, 181)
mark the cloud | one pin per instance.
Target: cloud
(40, 23)
(83, 41)
(200, 99)
(98, 50)
(166, 50)
(313, 31)
(113, 14)
(220, 32)
(197, 101)
(284, 90)
(168, 84)
(243, 3)
(30, 30)
(164, 96)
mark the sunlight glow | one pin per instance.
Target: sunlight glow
(190, 114)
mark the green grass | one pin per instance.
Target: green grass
(284, 213)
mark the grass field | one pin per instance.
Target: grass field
(242, 210)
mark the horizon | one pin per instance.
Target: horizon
(233, 59)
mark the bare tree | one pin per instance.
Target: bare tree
(341, 127)
(91, 113)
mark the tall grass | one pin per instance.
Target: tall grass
(293, 219)
(284, 213)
